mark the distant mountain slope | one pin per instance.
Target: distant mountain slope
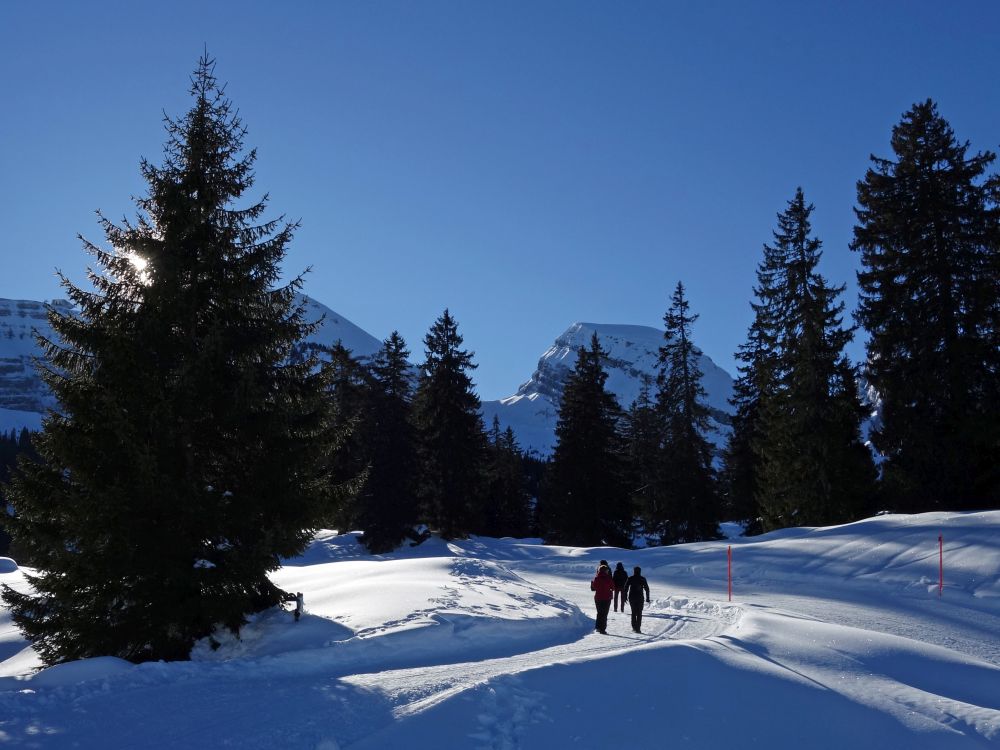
(633, 352)
(24, 398)
(21, 389)
(531, 412)
(338, 328)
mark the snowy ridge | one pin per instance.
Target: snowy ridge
(836, 637)
(24, 398)
(336, 328)
(632, 356)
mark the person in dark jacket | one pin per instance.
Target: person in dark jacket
(603, 587)
(620, 576)
(635, 587)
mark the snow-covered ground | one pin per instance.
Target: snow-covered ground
(834, 638)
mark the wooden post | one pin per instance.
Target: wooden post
(940, 563)
(729, 565)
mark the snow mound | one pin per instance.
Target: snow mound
(83, 670)
(7, 565)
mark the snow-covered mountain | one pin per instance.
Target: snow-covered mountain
(338, 328)
(632, 358)
(531, 412)
(24, 398)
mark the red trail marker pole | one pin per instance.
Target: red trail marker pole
(940, 563)
(729, 565)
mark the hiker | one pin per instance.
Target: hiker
(634, 588)
(620, 577)
(603, 587)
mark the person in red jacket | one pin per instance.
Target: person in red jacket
(603, 587)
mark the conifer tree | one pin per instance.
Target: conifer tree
(927, 231)
(187, 454)
(813, 468)
(740, 462)
(585, 501)
(349, 394)
(388, 499)
(643, 435)
(507, 511)
(451, 442)
(692, 502)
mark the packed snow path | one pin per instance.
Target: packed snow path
(836, 637)
(413, 690)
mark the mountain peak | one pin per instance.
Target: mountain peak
(632, 358)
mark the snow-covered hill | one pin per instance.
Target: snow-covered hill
(24, 398)
(834, 638)
(633, 352)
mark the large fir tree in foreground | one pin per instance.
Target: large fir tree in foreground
(187, 453)
(585, 499)
(451, 442)
(928, 236)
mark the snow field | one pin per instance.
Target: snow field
(836, 637)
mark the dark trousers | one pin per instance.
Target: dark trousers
(620, 597)
(636, 614)
(602, 614)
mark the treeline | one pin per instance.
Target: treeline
(927, 395)
(647, 472)
(416, 451)
(12, 444)
(198, 442)
(928, 235)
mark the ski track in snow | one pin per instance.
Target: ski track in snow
(414, 690)
(505, 710)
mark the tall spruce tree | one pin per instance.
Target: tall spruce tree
(450, 436)
(927, 232)
(585, 500)
(387, 504)
(692, 502)
(812, 466)
(187, 453)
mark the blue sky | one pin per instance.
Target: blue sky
(526, 164)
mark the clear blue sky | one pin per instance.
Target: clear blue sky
(526, 164)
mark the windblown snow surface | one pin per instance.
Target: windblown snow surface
(834, 638)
